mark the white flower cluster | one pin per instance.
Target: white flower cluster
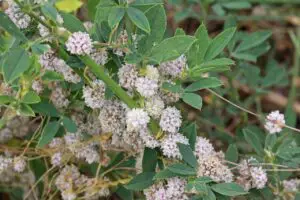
(100, 56)
(14, 12)
(291, 185)
(72, 184)
(274, 122)
(5, 163)
(73, 144)
(137, 119)
(170, 120)
(169, 145)
(37, 86)
(49, 61)
(94, 95)
(210, 162)
(128, 75)
(174, 68)
(79, 43)
(251, 176)
(59, 97)
(15, 127)
(173, 189)
(18, 164)
(146, 87)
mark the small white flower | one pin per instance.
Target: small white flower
(259, 177)
(148, 139)
(127, 75)
(169, 145)
(274, 122)
(5, 163)
(291, 185)
(94, 96)
(173, 68)
(59, 98)
(113, 118)
(152, 73)
(19, 164)
(37, 86)
(170, 120)
(68, 195)
(79, 43)
(14, 12)
(56, 159)
(154, 106)
(146, 87)
(203, 148)
(100, 56)
(137, 119)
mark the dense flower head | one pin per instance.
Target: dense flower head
(203, 148)
(94, 95)
(213, 167)
(79, 43)
(169, 145)
(251, 176)
(173, 189)
(113, 117)
(152, 73)
(100, 56)
(154, 106)
(274, 122)
(291, 185)
(14, 12)
(259, 177)
(173, 68)
(146, 87)
(137, 119)
(170, 120)
(128, 75)
(148, 139)
(5, 163)
(59, 98)
(19, 164)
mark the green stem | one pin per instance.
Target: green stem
(100, 73)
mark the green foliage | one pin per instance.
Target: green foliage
(141, 181)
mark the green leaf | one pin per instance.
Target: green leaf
(187, 154)
(228, 189)
(253, 40)
(25, 110)
(237, 5)
(270, 141)
(203, 83)
(48, 134)
(4, 99)
(253, 140)
(210, 195)
(31, 98)
(171, 48)
(15, 64)
(191, 133)
(172, 87)
(72, 23)
(39, 49)
(10, 27)
(219, 62)
(124, 193)
(232, 153)
(92, 8)
(146, 2)
(182, 169)
(149, 160)
(69, 124)
(244, 56)
(115, 16)
(139, 19)
(45, 108)
(219, 43)
(49, 11)
(164, 174)
(52, 76)
(197, 51)
(193, 100)
(141, 181)
(157, 20)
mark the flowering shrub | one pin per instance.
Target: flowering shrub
(97, 109)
